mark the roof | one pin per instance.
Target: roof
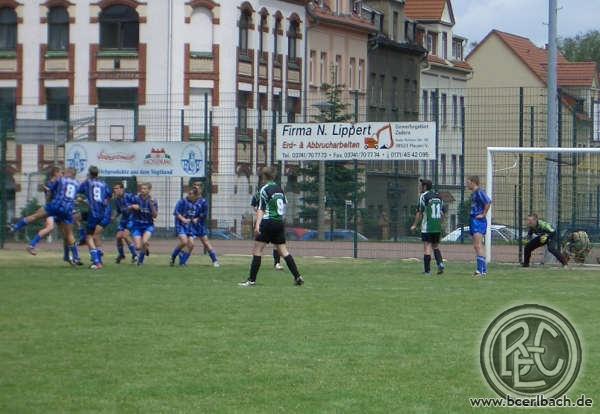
(347, 21)
(450, 64)
(426, 10)
(536, 59)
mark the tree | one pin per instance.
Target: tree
(581, 47)
(327, 186)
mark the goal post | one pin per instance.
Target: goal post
(491, 151)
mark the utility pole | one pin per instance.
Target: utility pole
(552, 121)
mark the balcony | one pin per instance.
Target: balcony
(118, 61)
(246, 62)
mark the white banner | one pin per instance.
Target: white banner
(140, 159)
(360, 141)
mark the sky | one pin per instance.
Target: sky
(475, 18)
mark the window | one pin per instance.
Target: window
(292, 108)
(276, 36)
(381, 86)
(454, 169)
(58, 29)
(8, 29)
(351, 69)
(444, 110)
(261, 33)
(462, 111)
(407, 95)
(432, 42)
(457, 49)
(117, 98)
(424, 167)
(243, 104)
(276, 103)
(8, 106)
(425, 106)
(395, 27)
(119, 28)
(445, 45)
(433, 102)
(443, 162)
(323, 68)
(461, 164)
(311, 73)
(361, 75)
(454, 111)
(201, 36)
(420, 34)
(57, 104)
(372, 87)
(292, 40)
(244, 26)
(338, 68)
(394, 93)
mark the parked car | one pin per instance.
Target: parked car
(223, 234)
(500, 232)
(338, 234)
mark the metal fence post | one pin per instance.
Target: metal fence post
(462, 172)
(520, 184)
(436, 107)
(355, 194)
(559, 168)
(208, 168)
(574, 172)
(3, 177)
(531, 144)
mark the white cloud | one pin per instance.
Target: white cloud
(475, 18)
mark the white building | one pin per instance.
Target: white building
(133, 70)
(446, 74)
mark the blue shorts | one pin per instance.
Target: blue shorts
(124, 225)
(138, 229)
(183, 230)
(478, 226)
(92, 222)
(60, 214)
(199, 230)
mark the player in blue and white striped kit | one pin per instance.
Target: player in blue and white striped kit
(185, 212)
(122, 200)
(60, 205)
(480, 204)
(97, 196)
(144, 210)
(199, 223)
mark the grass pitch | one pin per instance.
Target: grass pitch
(361, 335)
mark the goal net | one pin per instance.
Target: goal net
(520, 183)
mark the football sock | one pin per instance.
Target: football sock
(141, 254)
(175, 253)
(100, 255)
(82, 235)
(19, 224)
(481, 264)
(94, 256)
(132, 250)
(276, 257)
(213, 255)
(291, 264)
(183, 259)
(36, 239)
(438, 257)
(484, 264)
(74, 252)
(65, 253)
(427, 263)
(120, 249)
(254, 268)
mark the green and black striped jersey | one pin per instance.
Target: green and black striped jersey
(272, 201)
(432, 208)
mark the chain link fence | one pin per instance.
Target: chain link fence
(364, 209)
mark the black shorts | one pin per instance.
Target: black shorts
(433, 238)
(271, 231)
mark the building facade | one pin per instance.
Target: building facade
(443, 82)
(395, 62)
(110, 70)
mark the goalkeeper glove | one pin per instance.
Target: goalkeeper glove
(543, 238)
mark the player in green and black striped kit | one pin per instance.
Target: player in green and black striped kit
(430, 213)
(269, 227)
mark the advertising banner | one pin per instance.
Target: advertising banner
(140, 159)
(368, 141)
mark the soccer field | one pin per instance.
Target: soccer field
(360, 336)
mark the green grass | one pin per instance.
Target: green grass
(360, 336)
